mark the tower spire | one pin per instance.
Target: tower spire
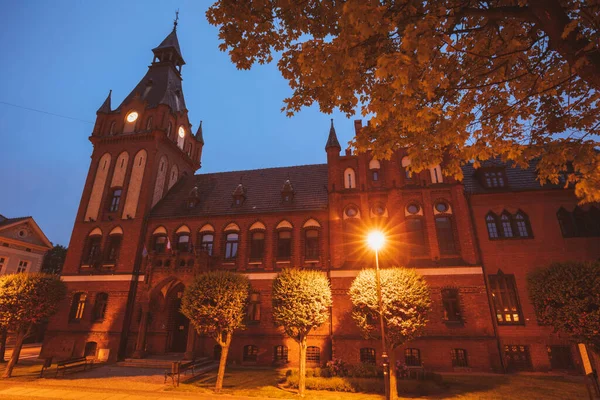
(199, 135)
(105, 107)
(332, 140)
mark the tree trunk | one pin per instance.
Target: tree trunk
(392, 376)
(222, 363)
(21, 334)
(3, 338)
(302, 369)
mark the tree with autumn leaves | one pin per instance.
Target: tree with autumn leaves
(215, 303)
(448, 80)
(26, 300)
(405, 302)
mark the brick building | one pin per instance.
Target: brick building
(147, 224)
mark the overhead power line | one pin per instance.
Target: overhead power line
(44, 112)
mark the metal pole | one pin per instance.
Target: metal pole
(384, 356)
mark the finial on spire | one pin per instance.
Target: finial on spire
(199, 135)
(176, 20)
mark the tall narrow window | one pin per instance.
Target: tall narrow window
(459, 358)
(160, 243)
(313, 354)
(183, 242)
(77, 307)
(311, 244)
(257, 245)
(280, 354)
(92, 253)
(492, 226)
(522, 225)
(231, 245)
(567, 225)
(507, 230)
(115, 199)
(415, 236)
(100, 307)
(149, 124)
(22, 267)
(451, 305)
(284, 245)
(113, 249)
(349, 179)
(412, 357)
(250, 353)
(207, 243)
(367, 355)
(445, 235)
(504, 295)
(254, 308)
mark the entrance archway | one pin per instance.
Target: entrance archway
(177, 323)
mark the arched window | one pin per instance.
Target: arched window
(284, 244)
(170, 130)
(257, 245)
(100, 307)
(311, 244)
(405, 164)
(349, 179)
(91, 253)
(77, 307)
(113, 247)
(149, 124)
(250, 353)
(505, 220)
(374, 168)
(436, 174)
(412, 357)
(90, 349)
(112, 130)
(231, 245)
(492, 225)
(280, 354)
(206, 242)
(523, 228)
(313, 354)
(253, 313)
(506, 301)
(367, 355)
(183, 242)
(445, 235)
(160, 242)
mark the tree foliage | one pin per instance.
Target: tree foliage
(25, 300)
(405, 303)
(215, 303)
(54, 260)
(567, 297)
(301, 301)
(449, 80)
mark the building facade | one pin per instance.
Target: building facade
(22, 245)
(146, 225)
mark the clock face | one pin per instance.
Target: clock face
(181, 132)
(132, 116)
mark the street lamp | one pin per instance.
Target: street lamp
(376, 240)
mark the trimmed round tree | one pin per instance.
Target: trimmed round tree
(215, 303)
(405, 302)
(26, 300)
(567, 297)
(301, 302)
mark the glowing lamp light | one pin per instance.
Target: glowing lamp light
(132, 116)
(376, 240)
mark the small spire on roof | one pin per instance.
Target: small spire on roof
(199, 135)
(105, 107)
(332, 140)
(175, 20)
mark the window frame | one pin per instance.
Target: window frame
(503, 289)
(451, 305)
(312, 248)
(207, 246)
(250, 353)
(517, 357)
(155, 243)
(184, 246)
(412, 357)
(77, 309)
(368, 355)
(280, 354)
(419, 247)
(283, 244)
(447, 242)
(231, 248)
(459, 358)
(257, 246)
(253, 311)
(100, 305)
(113, 248)
(494, 178)
(114, 200)
(93, 242)
(313, 354)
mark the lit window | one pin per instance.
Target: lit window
(181, 132)
(367, 355)
(77, 307)
(504, 295)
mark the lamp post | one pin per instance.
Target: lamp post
(376, 240)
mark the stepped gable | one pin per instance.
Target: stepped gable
(519, 179)
(262, 195)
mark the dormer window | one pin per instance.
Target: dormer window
(239, 195)
(287, 192)
(193, 198)
(494, 178)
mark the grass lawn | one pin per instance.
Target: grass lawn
(263, 383)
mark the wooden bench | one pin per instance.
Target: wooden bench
(73, 363)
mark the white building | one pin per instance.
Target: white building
(22, 245)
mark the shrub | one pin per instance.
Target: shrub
(365, 370)
(337, 368)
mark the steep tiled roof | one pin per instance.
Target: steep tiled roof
(262, 192)
(160, 85)
(170, 42)
(518, 179)
(8, 221)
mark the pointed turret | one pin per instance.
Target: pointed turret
(168, 50)
(105, 107)
(199, 136)
(332, 140)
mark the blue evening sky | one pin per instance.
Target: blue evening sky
(62, 57)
